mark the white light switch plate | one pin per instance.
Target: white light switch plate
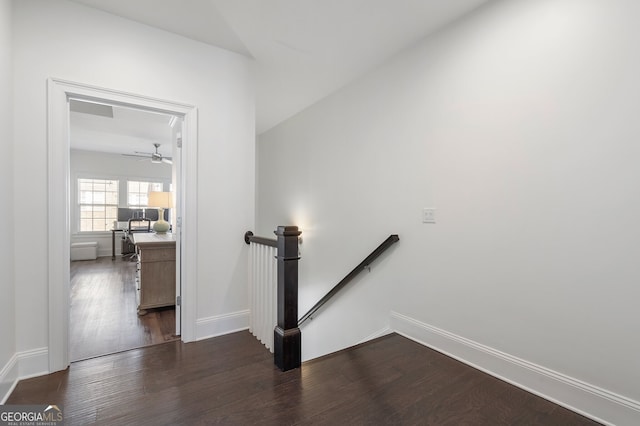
(428, 215)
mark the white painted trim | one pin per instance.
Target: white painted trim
(33, 363)
(379, 333)
(592, 401)
(189, 238)
(222, 324)
(22, 365)
(8, 378)
(58, 224)
(59, 91)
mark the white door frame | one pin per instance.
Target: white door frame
(58, 146)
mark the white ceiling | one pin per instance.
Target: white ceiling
(303, 49)
(128, 131)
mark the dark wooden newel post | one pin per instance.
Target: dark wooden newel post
(287, 340)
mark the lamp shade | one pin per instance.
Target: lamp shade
(160, 199)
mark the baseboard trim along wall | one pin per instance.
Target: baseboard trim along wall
(22, 365)
(8, 378)
(222, 324)
(379, 333)
(596, 403)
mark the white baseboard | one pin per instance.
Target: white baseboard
(591, 401)
(33, 363)
(222, 324)
(22, 365)
(379, 333)
(8, 378)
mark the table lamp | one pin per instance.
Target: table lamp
(161, 200)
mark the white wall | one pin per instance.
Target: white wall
(7, 288)
(66, 40)
(518, 124)
(91, 164)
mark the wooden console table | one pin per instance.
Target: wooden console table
(156, 270)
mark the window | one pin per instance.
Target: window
(138, 192)
(98, 202)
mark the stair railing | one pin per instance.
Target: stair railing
(286, 344)
(365, 264)
(263, 281)
(287, 340)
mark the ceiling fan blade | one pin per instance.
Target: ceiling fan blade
(154, 157)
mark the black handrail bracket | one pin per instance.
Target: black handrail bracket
(247, 237)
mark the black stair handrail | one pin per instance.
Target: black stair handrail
(392, 239)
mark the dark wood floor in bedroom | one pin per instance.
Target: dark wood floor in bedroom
(231, 380)
(103, 314)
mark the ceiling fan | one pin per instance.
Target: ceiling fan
(155, 157)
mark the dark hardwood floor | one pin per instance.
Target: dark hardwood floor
(231, 380)
(103, 314)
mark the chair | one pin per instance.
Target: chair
(133, 225)
(139, 225)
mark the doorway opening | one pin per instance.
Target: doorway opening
(122, 160)
(62, 186)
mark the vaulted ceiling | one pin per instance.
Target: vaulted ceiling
(303, 49)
